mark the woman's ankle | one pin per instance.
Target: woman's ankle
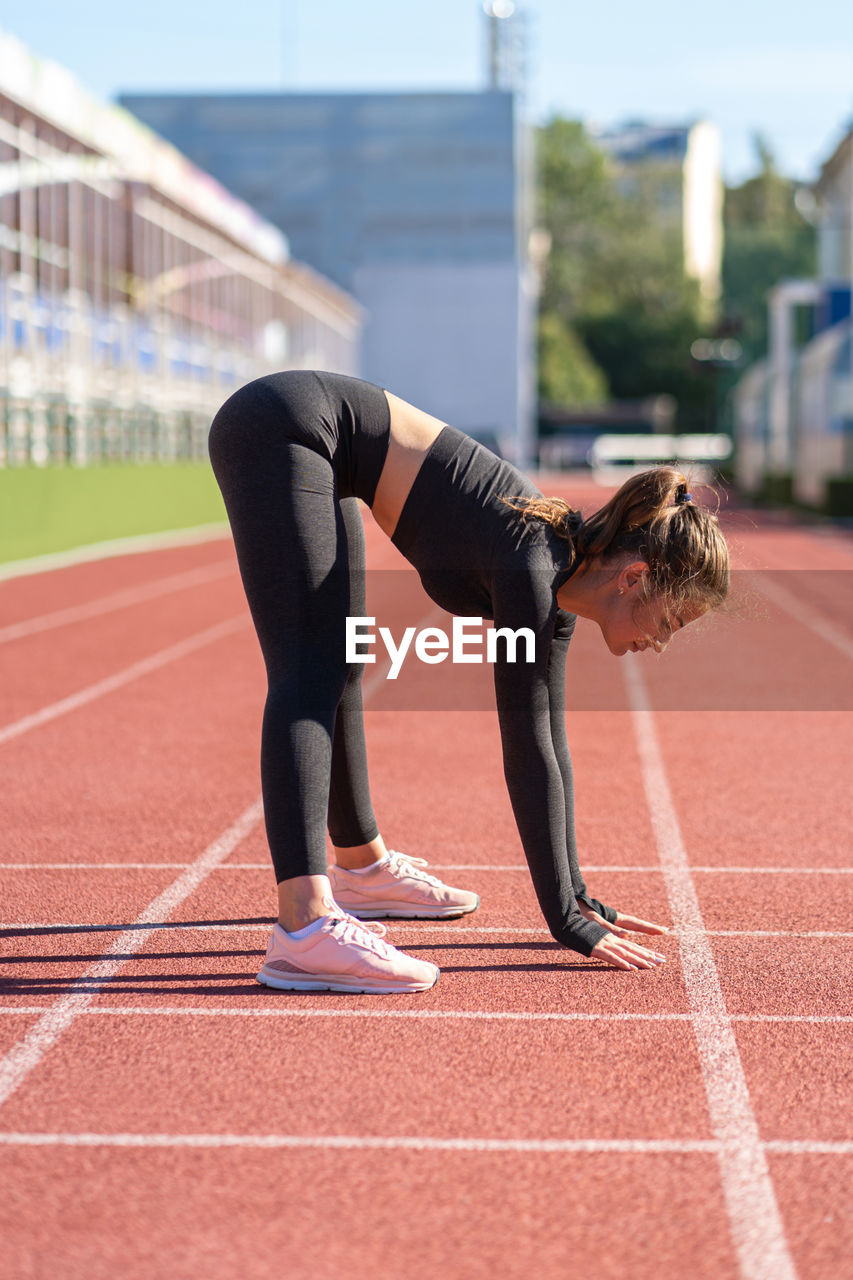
(303, 900)
(357, 857)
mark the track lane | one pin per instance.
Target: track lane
(598, 829)
(785, 802)
(117, 679)
(776, 787)
(478, 1080)
(45, 670)
(799, 1078)
(813, 1192)
(785, 975)
(144, 593)
(27, 1054)
(23, 598)
(138, 775)
(478, 1214)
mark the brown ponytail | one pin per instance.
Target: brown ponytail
(653, 515)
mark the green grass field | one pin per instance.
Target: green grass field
(57, 508)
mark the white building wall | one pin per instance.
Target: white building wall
(703, 209)
(794, 411)
(438, 336)
(835, 226)
(823, 408)
(686, 162)
(419, 205)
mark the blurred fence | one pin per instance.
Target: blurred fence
(135, 292)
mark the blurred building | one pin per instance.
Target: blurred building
(794, 410)
(834, 191)
(416, 203)
(679, 170)
(135, 292)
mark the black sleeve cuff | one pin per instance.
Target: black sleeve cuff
(609, 913)
(581, 935)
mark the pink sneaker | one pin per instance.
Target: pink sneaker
(399, 889)
(342, 955)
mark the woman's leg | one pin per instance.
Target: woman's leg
(351, 821)
(291, 544)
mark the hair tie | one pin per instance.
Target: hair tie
(682, 496)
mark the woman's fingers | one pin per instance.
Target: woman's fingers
(623, 923)
(624, 954)
(589, 914)
(619, 930)
(638, 926)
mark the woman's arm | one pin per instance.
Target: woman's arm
(535, 782)
(531, 768)
(563, 630)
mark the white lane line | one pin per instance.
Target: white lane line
(558, 1146)
(805, 614)
(404, 926)
(94, 866)
(121, 678)
(777, 871)
(114, 547)
(28, 1052)
(76, 926)
(778, 933)
(756, 1223)
(606, 866)
(347, 1142)
(117, 600)
(436, 866)
(434, 926)
(451, 1015)
(418, 1015)
(816, 1018)
(795, 1148)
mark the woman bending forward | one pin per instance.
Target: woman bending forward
(293, 452)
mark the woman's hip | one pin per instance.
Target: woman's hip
(343, 420)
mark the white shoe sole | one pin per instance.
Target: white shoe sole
(398, 911)
(355, 986)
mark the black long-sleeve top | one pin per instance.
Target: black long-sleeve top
(476, 556)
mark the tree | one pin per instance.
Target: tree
(573, 191)
(568, 375)
(615, 295)
(767, 240)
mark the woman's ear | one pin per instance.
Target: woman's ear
(630, 576)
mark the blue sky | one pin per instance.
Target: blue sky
(773, 66)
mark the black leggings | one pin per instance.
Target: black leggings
(292, 454)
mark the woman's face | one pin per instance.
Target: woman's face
(633, 623)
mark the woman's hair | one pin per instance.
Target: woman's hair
(655, 517)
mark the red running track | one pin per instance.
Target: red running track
(535, 1113)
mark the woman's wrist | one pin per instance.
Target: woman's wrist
(581, 935)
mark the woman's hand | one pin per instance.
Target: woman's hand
(617, 948)
(624, 954)
(623, 924)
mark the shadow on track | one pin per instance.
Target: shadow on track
(30, 931)
(230, 984)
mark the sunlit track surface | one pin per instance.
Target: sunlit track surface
(116, 600)
(698, 1115)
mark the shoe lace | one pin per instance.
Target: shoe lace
(412, 867)
(369, 933)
